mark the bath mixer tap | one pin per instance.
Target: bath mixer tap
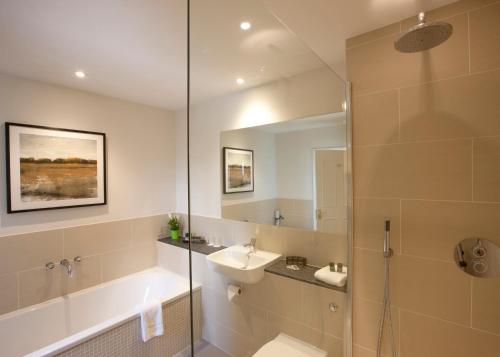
(69, 269)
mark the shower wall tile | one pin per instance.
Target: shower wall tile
(360, 351)
(373, 35)
(369, 217)
(8, 293)
(97, 238)
(487, 169)
(425, 336)
(484, 38)
(443, 171)
(485, 306)
(376, 66)
(377, 118)
(27, 251)
(431, 229)
(366, 315)
(431, 287)
(433, 170)
(455, 108)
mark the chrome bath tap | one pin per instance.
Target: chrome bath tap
(251, 245)
(69, 268)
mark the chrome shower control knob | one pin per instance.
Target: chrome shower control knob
(50, 266)
(480, 266)
(333, 307)
(479, 251)
(77, 259)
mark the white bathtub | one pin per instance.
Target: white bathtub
(58, 324)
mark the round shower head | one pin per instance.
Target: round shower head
(423, 36)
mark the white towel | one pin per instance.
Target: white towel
(332, 277)
(151, 319)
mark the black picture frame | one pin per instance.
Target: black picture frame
(8, 151)
(225, 181)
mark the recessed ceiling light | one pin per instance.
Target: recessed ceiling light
(240, 81)
(245, 25)
(80, 74)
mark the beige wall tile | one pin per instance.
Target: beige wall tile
(388, 69)
(485, 304)
(373, 35)
(243, 232)
(485, 38)
(328, 248)
(433, 170)
(369, 218)
(87, 273)
(366, 315)
(127, 261)
(148, 229)
(97, 238)
(432, 229)
(424, 336)
(8, 293)
(228, 340)
(460, 107)
(376, 118)
(27, 251)
(487, 169)
(360, 351)
(431, 287)
(368, 274)
(38, 285)
(316, 312)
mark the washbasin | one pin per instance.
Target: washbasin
(241, 263)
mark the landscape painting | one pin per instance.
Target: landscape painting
(238, 170)
(54, 168)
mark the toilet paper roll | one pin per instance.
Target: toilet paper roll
(232, 291)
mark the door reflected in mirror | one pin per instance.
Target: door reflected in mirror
(299, 174)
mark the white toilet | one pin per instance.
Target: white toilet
(284, 345)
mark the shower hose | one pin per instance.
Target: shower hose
(386, 304)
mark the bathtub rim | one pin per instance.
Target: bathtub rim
(107, 325)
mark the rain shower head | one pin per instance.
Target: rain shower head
(423, 36)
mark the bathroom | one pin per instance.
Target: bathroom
(250, 178)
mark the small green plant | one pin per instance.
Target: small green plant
(174, 223)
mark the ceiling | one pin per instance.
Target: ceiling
(136, 50)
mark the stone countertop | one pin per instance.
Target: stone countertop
(305, 274)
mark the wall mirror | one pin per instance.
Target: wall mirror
(297, 174)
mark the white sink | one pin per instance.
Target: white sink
(236, 263)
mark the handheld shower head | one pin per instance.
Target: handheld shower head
(387, 243)
(423, 36)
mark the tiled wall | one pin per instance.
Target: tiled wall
(109, 251)
(427, 154)
(298, 213)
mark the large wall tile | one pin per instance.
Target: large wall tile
(97, 238)
(432, 229)
(87, 273)
(433, 170)
(378, 66)
(487, 169)
(425, 336)
(368, 274)
(148, 229)
(485, 38)
(366, 316)
(27, 251)
(38, 285)
(127, 261)
(373, 35)
(376, 118)
(328, 248)
(431, 287)
(8, 293)
(485, 304)
(454, 108)
(369, 218)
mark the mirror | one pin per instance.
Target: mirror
(295, 177)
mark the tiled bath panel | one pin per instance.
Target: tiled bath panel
(125, 340)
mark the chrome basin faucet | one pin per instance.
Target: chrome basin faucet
(66, 264)
(251, 245)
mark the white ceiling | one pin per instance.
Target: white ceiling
(136, 50)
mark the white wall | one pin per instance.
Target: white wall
(264, 146)
(308, 94)
(140, 156)
(295, 157)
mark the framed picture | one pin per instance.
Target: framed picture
(238, 170)
(51, 168)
